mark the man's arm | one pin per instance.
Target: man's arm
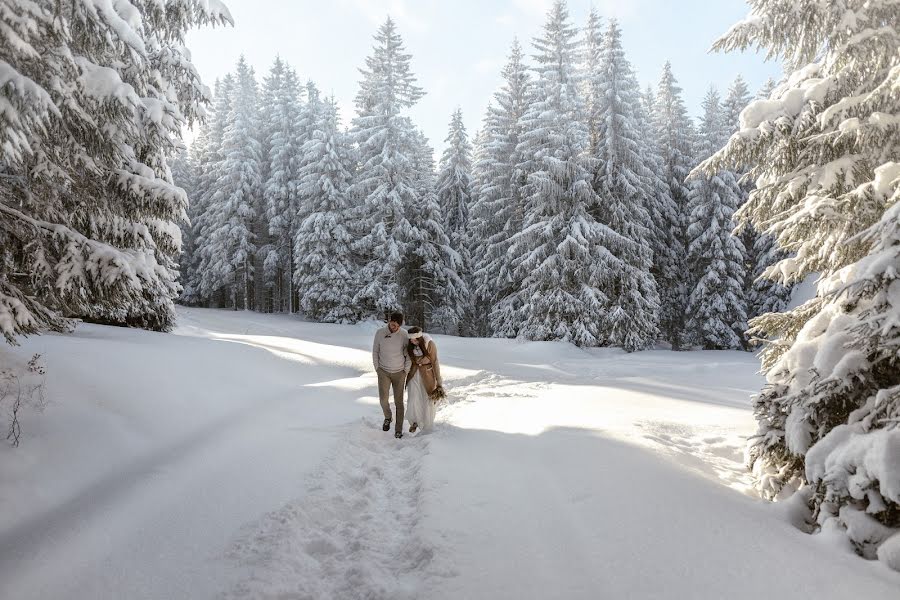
(407, 361)
(375, 345)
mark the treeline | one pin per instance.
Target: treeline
(571, 217)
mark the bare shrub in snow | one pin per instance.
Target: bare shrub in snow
(21, 389)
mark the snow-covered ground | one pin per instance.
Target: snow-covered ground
(242, 457)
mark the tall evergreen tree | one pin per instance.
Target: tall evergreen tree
(764, 293)
(824, 150)
(561, 256)
(384, 183)
(210, 274)
(498, 210)
(674, 137)
(454, 189)
(92, 110)
(716, 311)
(234, 203)
(325, 271)
(593, 57)
(282, 110)
(620, 183)
(184, 175)
(430, 272)
(661, 208)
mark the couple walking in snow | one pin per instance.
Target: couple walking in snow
(407, 359)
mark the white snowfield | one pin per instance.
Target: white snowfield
(243, 457)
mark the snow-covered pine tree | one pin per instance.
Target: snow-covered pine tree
(592, 57)
(238, 191)
(824, 150)
(454, 189)
(281, 113)
(562, 256)
(619, 179)
(190, 278)
(94, 103)
(498, 211)
(384, 182)
(764, 293)
(208, 282)
(660, 207)
(435, 294)
(674, 137)
(325, 270)
(717, 317)
(184, 175)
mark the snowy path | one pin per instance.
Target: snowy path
(356, 533)
(243, 458)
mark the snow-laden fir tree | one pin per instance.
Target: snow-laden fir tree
(592, 50)
(310, 116)
(454, 190)
(620, 177)
(234, 203)
(674, 137)
(562, 256)
(325, 268)
(207, 283)
(824, 149)
(764, 293)
(716, 310)
(434, 293)
(184, 175)
(384, 186)
(281, 110)
(661, 208)
(760, 251)
(190, 263)
(498, 210)
(93, 105)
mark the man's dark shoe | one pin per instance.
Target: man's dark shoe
(387, 425)
(398, 435)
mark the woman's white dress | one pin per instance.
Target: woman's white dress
(421, 408)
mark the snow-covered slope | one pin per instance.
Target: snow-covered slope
(242, 456)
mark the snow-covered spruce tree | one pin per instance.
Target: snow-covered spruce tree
(619, 180)
(454, 189)
(765, 294)
(209, 283)
(183, 168)
(760, 251)
(562, 256)
(190, 263)
(716, 313)
(386, 143)
(592, 55)
(237, 192)
(94, 102)
(824, 150)
(281, 112)
(435, 294)
(674, 137)
(324, 271)
(499, 206)
(661, 208)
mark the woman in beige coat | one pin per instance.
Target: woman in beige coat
(424, 384)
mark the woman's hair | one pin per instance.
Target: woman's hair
(411, 344)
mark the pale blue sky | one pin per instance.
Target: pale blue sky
(459, 47)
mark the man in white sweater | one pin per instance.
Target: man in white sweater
(392, 363)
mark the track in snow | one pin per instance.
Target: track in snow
(356, 533)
